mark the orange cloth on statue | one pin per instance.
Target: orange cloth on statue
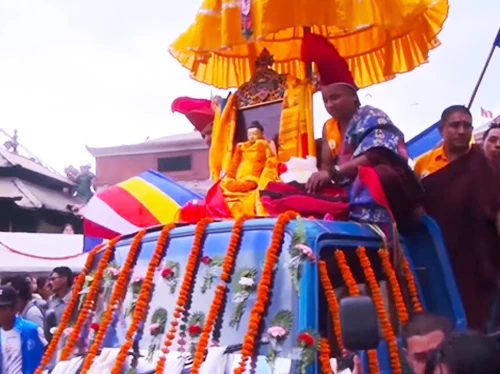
(252, 167)
(331, 131)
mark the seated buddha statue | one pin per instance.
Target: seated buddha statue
(253, 165)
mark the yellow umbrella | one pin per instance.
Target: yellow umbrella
(377, 38)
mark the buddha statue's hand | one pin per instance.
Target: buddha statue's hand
(247, 186)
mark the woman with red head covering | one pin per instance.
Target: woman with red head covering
(199, 112)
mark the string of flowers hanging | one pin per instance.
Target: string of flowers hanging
(142, 306)
(220, 291)
(397, 295)
(378, 301)
(117, 296)
(333, 303)
(324, 356)
(352, 288)
(412, 286)
(68, 311)
(186, 286)
(89, 301)
(263, 289)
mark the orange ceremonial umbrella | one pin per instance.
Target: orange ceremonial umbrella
(379, 39)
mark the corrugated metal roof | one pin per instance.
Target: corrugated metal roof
(31, 196)
(9, 159)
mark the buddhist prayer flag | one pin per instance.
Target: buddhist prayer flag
(486, 113)
(148, 199)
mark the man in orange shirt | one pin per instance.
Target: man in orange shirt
(462, 195)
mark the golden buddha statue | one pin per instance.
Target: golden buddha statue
(253, 165)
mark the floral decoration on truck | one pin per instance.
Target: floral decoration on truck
(244, 287)
(170, 273)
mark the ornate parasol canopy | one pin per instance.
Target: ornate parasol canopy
(379, 39)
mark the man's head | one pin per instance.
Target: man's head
(491, 143)
(43, 287)
(341, 101)
(423, 333)
(206, 134)
(8, 300)
(61, 279)
(255, 132)
(456, 128)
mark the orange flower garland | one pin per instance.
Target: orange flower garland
(324, 356)
(227, 268)
(393, 281)
(202, 345)
(234, 242)
(68, 311)
(412, 286)
(353, 290)
(263, 289)
(333, 304)
(185, 289)
(89, 301)
(387, 330)
(142, 305)
(118, 294)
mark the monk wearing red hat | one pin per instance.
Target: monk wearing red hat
(361, 145)
(199, 112)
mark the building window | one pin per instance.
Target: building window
(177, 163)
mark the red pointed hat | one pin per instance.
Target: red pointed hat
(331, 65)
(198, 111)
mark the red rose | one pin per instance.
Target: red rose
(94, 326)
(166, 272)
(206, 260)
(194, 330)
(282, 168)
(306, 339)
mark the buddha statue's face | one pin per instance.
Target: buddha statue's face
(254, 134)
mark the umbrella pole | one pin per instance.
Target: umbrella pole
(309, 70)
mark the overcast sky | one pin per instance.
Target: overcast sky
(98, 72)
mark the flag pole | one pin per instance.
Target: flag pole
(495, 44)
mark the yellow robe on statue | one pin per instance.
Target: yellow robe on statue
(252, 167)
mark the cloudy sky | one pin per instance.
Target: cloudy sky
(97, 72)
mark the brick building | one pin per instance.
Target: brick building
(183, 158)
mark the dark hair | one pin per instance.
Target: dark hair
(466, 353)
(451, 110)
(5, 281)
(256, 125)
(65, 271)
(492, 126)
(423, 323)
(22, 286)
(41, 281)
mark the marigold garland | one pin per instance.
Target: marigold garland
(68, 311)
(397, 295)
(387, 329)
(89, 301)
(213, 313)
(142, 305)
(227, 268)
(412, 286)
(352, 288)
(184, 291)
(117, 296)
(333, 303)
(232, 249)
(263, 289)
(324, 356)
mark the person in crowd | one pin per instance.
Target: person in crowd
(491, 143)
(27, 307)
(465, 353)
(359, 137)
(199, 112)
(60, 281)
(462, 195)
(43, 287)
(423, 333)
(22, 342)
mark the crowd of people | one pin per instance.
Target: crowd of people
(25, 325)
